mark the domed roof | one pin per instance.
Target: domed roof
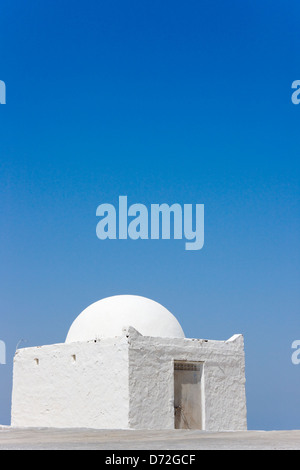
(107, 317)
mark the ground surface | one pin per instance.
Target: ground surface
(72, 439)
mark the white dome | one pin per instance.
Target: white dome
(107, 317)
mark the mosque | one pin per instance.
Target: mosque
(126, 364)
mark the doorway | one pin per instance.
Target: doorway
(188, 395)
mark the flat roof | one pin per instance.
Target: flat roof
(179, 439)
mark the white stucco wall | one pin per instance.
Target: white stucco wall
(126, 382)
(151, 381)
(59, 391)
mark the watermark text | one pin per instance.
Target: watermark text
(2, 352)
(296, 353)
(2, 92)
(296, 94)
(160, 222)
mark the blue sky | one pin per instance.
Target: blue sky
(165, 102)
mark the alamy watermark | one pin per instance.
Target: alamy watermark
(2, 92)
(160, 222)
(296, 94)
(296, 354)
(2, 352)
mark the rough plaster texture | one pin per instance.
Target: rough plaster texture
(126, 382)
(73, 385)
(151, 383)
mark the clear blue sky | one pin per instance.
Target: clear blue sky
(162, 101)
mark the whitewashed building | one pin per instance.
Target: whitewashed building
(127, 364)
